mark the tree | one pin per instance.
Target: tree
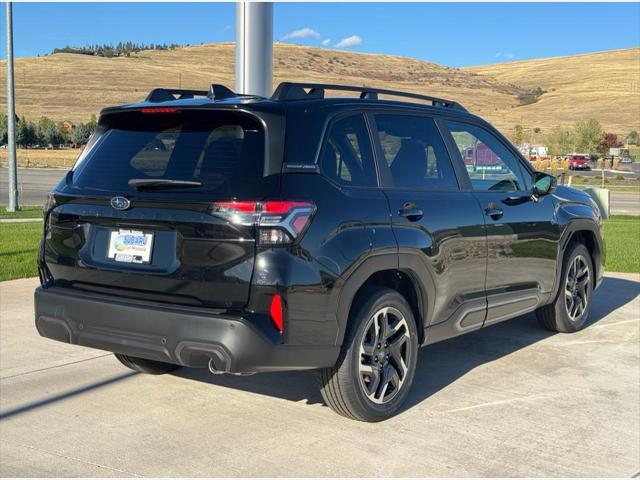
(41, 130)
(80, 134)
(82, 131)
(589, 137)
(518, 135)
(26, 133)
(633, 138)
(4, 127)
(611, 141)
(52, 135)
(559, 141)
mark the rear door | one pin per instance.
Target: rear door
(120, 228)
(522, 233)
(436, 224)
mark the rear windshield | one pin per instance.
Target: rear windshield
(223, 151)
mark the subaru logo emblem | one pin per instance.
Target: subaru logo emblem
(120, 203)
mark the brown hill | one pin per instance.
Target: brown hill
(73, 87)
(601, 85)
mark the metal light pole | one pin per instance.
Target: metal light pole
(11, 117)
(254, 48)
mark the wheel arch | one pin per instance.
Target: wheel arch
(587, 232)
(405, 275)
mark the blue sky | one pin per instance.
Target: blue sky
(454, 34)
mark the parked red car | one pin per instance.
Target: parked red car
(579, 162)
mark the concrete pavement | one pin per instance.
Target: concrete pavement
(510, 400)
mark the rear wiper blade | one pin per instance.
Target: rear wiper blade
(158, 183)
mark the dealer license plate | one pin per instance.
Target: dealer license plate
(130, 246)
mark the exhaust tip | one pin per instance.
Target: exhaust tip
(213, 369)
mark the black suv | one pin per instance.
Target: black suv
(248, 234)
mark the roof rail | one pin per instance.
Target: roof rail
(215, 92)
(296, 91)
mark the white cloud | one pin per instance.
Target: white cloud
(302, 33)
(352, 41)
(227, 28)
(505, 56)
(326, 42)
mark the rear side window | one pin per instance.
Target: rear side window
(223, 151)
(415, 153)
(347, 157)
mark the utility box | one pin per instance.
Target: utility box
(602, 197)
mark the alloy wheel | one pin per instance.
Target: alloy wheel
(577, 288)
(385, 351)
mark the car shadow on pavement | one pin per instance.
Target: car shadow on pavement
(440, 364)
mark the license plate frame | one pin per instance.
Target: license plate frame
(128, 245)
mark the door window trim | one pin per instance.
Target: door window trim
(525, 171)
(386, 181)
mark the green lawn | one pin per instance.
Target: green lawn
(24, 212)
(19, 246)
(622, 236)
(19, 249)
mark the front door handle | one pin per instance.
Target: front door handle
(493, 211)
(411, 212)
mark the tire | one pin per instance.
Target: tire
(143, 365)
(348, 387)
(573, 296)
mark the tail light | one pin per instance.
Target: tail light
(279, 222)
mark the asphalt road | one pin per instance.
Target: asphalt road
(35, 183)
(512, 400)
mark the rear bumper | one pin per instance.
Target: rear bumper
(173, 335)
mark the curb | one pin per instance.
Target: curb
(20, 220)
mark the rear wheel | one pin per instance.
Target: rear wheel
(143, 365)
(375, 370)
(570, 310)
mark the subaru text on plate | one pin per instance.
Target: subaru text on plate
(307, 232)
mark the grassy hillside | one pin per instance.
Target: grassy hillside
(602, 85)
(73, 87)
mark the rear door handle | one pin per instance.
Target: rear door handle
(411, 212)
(493, 211)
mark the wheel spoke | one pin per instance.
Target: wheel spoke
(390, 378)
(396, 327)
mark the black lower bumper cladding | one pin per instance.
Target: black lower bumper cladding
(190, 338)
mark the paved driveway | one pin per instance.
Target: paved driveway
(511, 400)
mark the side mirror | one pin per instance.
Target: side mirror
(543, 184)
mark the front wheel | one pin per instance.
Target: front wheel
(375, 369)
(570, 310)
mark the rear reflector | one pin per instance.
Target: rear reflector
(276, 311)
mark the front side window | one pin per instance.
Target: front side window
(347, 157)
(490, 165)
(415, 153)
